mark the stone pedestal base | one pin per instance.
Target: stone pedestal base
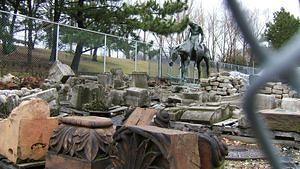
(80, 143)
(66, 162)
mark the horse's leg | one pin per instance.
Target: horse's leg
(199, 70)
(207, 65)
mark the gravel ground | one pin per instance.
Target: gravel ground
(285, 151)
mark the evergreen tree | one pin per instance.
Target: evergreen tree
(283, 27)
(122, 20)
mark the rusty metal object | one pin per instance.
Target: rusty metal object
(212, 150)
(162, 119)
(135, 149)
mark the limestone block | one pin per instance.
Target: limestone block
(141, 117)
(117, 97)
(206, 114)
(278, 87)
(86, 93)
(60, 72)
(264, 101)
(282, 120)
(48, 95)
(208, 88)
(192, 95)
(214, 83)
(291, 104)
(275, 91)
(139, 79)
(105, 79)
(285, 91)
(137, 97)
(26, 132)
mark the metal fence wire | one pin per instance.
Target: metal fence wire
(21, 54)
(27, 43)
(283, 66)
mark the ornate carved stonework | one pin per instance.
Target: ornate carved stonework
(145, 147)
(86, 138)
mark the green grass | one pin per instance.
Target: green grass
(87, 65)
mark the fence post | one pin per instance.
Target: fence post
(160, 62)
(104, 59)
(135, 56)
(57, 38)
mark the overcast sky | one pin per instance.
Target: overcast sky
(264, 6)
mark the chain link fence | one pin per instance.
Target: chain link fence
(29, 46)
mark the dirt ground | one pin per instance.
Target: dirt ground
(292, 152)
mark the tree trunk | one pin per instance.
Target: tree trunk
(94, 59)
(79, 46)
(77, 56)
(57, 13)
(30, 30)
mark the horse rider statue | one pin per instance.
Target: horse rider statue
(191, 50)
(193, 35)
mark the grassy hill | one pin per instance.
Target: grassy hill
(41, 56)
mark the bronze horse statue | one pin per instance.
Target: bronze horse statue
(187, 53)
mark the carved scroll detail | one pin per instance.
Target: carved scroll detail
(83, 143)
(135, 149)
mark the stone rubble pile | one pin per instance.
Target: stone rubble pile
(279, 90)
(223, 84)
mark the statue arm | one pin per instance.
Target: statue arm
(202, 35)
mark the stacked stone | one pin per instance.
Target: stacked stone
(222, 84)
(279, 90)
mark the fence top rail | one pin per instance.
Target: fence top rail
(73, 27)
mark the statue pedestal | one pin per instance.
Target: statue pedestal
(80, 143)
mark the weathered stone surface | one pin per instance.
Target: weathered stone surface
(141, 117)
(118, 83)
(171, 148)
(265, 101)
(86, 141)
(174, 99)
(291, 104)
(86, 93)
(105, 79)
(12, 101)
(206, 114)
(192, 95)
(60, 72)
(175, 113)
(137, 97)
(282, 120)
(117, 97)
(48, 95)
(139, 79)
(26, 132)
(275, 91)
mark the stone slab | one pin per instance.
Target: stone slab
(292, 104)
(47, 95)
(206, 115)
(141, 117)
(282, 120)
(60, 72)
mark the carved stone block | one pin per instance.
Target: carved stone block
(137, 147)
(26, 132)
(80, 143)
(139, 79)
